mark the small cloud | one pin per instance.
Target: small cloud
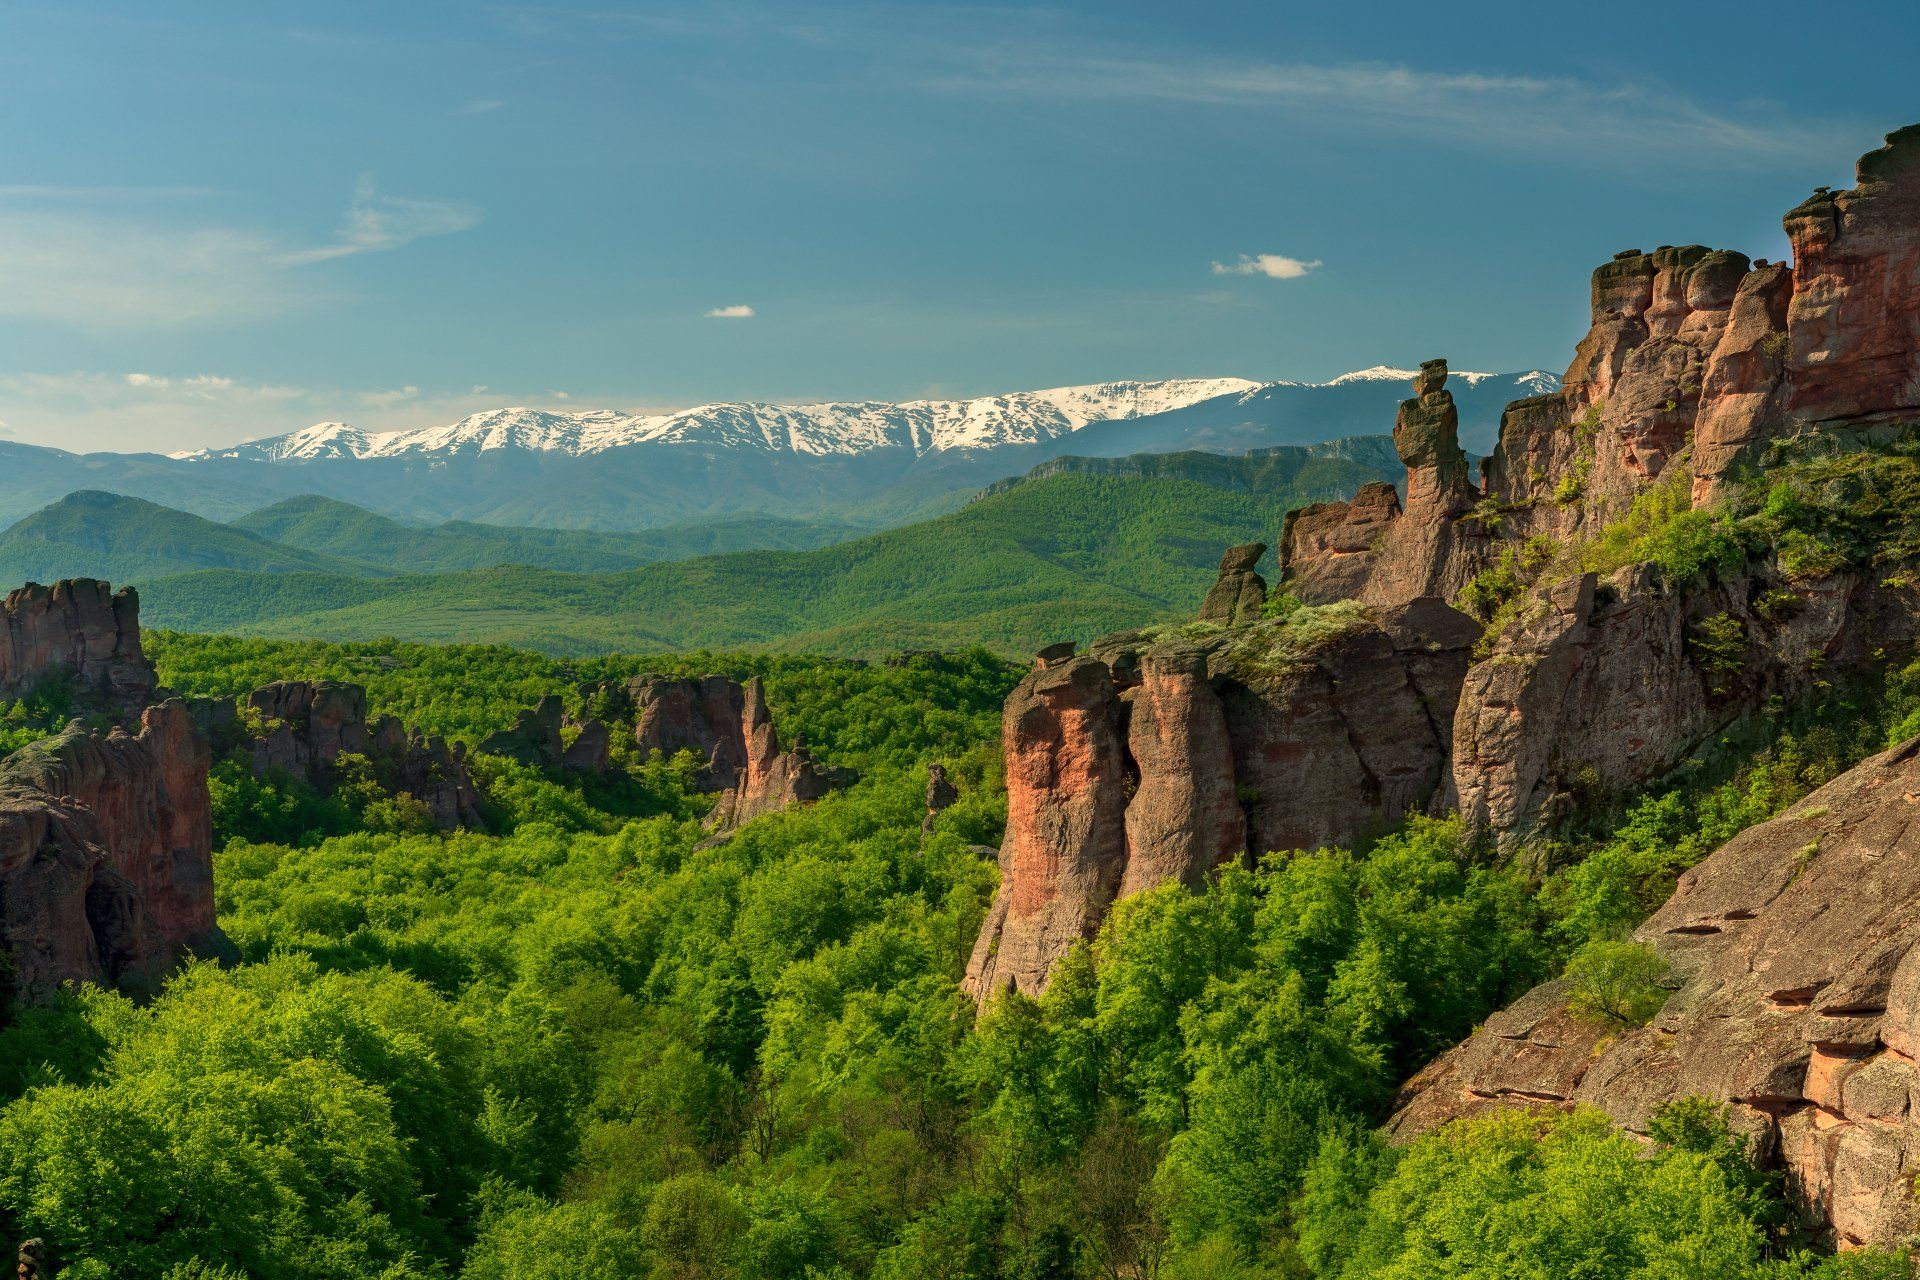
(482, 106)
(1275, 266)
(5, 430)
(559, 395)
(478, 389)
(735, 312)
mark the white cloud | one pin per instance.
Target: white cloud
(482, 106)
(1276, 266)
(376, 223)
(738, 311)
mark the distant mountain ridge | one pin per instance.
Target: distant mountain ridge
(834, 427)
(866, 464)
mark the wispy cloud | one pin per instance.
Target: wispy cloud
(482, 106)
(376, 223)
(738, 311)
(1478, 110)
(1276, 266)
(94, 265)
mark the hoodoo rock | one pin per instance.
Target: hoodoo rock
(772, 778)
(106, 869)
(1796, 1000)
(78, 629)
(1375, 550)
(311, 724)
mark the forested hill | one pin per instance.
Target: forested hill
(1067, 552)
(91, 533)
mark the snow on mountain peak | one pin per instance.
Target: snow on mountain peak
(828, 428)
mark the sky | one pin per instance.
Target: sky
(221, 221)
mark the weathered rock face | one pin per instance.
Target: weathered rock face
(1798, 1002)
(1066, 844)
(106, 871)
(1854, 322)
(1147, 762)
(80, 628)
(311, 724)
(1606, 685)
(728, 725)
(699, 715)
(1327, 550)
(772, 778)
(1238, 593)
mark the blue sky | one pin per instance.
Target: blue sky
(224, 220)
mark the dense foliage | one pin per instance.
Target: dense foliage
(600, 1043)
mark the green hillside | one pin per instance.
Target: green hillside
(106, 535)
(342, 529)
(1070, 554)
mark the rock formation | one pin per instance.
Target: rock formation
(1796, 1000)
(1384, 699)
(309, 725)
(1238, 593)
(535, 738)
(106, 870)
(79, 629)
(1149, 761)
(941, 795)
(1374, 549)
(729, 727)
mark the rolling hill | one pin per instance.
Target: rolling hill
(1081, 551)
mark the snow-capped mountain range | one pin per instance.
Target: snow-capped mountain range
(840, 428)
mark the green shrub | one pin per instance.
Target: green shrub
(1616, 984)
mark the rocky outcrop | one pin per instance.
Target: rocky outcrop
(1375, 549)
(77, 629)
(1854, 320)
(106, 871)
(310, 724)
(1328, 550)
(1147, 761)
(1238, 592)
(1796, 999)
(729, 727)
(942, 795)
(702, 715)
(535, 738)
(772, 778)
